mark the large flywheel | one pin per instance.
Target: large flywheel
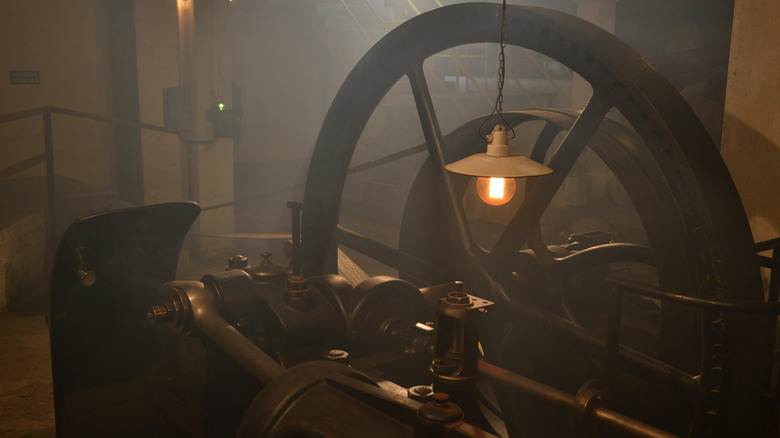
(697, 238)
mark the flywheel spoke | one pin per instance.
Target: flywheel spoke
(542, 191)
(544, 141)
(601, 255)
(404, 262)
(452, 207)
(541, 146)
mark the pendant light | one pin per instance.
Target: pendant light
(497, 168)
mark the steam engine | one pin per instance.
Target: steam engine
(468, 342)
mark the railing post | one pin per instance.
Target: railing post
(773, 295)
(51, 211)
(613, 339)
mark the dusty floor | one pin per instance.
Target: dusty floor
(26, 403)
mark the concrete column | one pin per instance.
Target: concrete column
(751, 128)
(123, 69)
(602, 14)
(157, 47)
(204, 67)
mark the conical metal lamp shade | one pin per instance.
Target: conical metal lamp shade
(498, 162)
(510, 166)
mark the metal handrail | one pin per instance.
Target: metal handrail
(48, 155)
(22, 166)
(48, 110)
(714, 304)
(11, 117)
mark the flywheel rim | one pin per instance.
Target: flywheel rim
(672, 133)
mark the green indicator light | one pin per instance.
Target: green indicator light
(221, 106)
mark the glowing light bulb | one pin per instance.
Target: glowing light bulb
(496, 191)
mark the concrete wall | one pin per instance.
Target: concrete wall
(64, 41)
(22, 257)
(205, 67)
(751, 130)
(157, 48)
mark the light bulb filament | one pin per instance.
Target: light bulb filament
(496, 188)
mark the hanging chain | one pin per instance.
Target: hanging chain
(498, 107)
(501, 67)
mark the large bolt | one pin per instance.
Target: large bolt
(457, 296)
(86, 277)
(339, 356)
(440, 410)
(237, 262)
(441, 398)
(168, 311)
(157, 314)
(420, 393)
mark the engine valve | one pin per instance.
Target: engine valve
(456, 351)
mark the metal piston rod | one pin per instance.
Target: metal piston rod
(600, 416)
(191, 305)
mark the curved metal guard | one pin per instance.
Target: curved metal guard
(99, 334)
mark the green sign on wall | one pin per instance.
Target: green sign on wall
(25, 77)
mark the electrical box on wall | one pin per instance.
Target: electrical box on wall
(221, 118)
(178, 115)
(226, 121)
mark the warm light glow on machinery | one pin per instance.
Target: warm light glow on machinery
(497, 168)
(595, 337)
